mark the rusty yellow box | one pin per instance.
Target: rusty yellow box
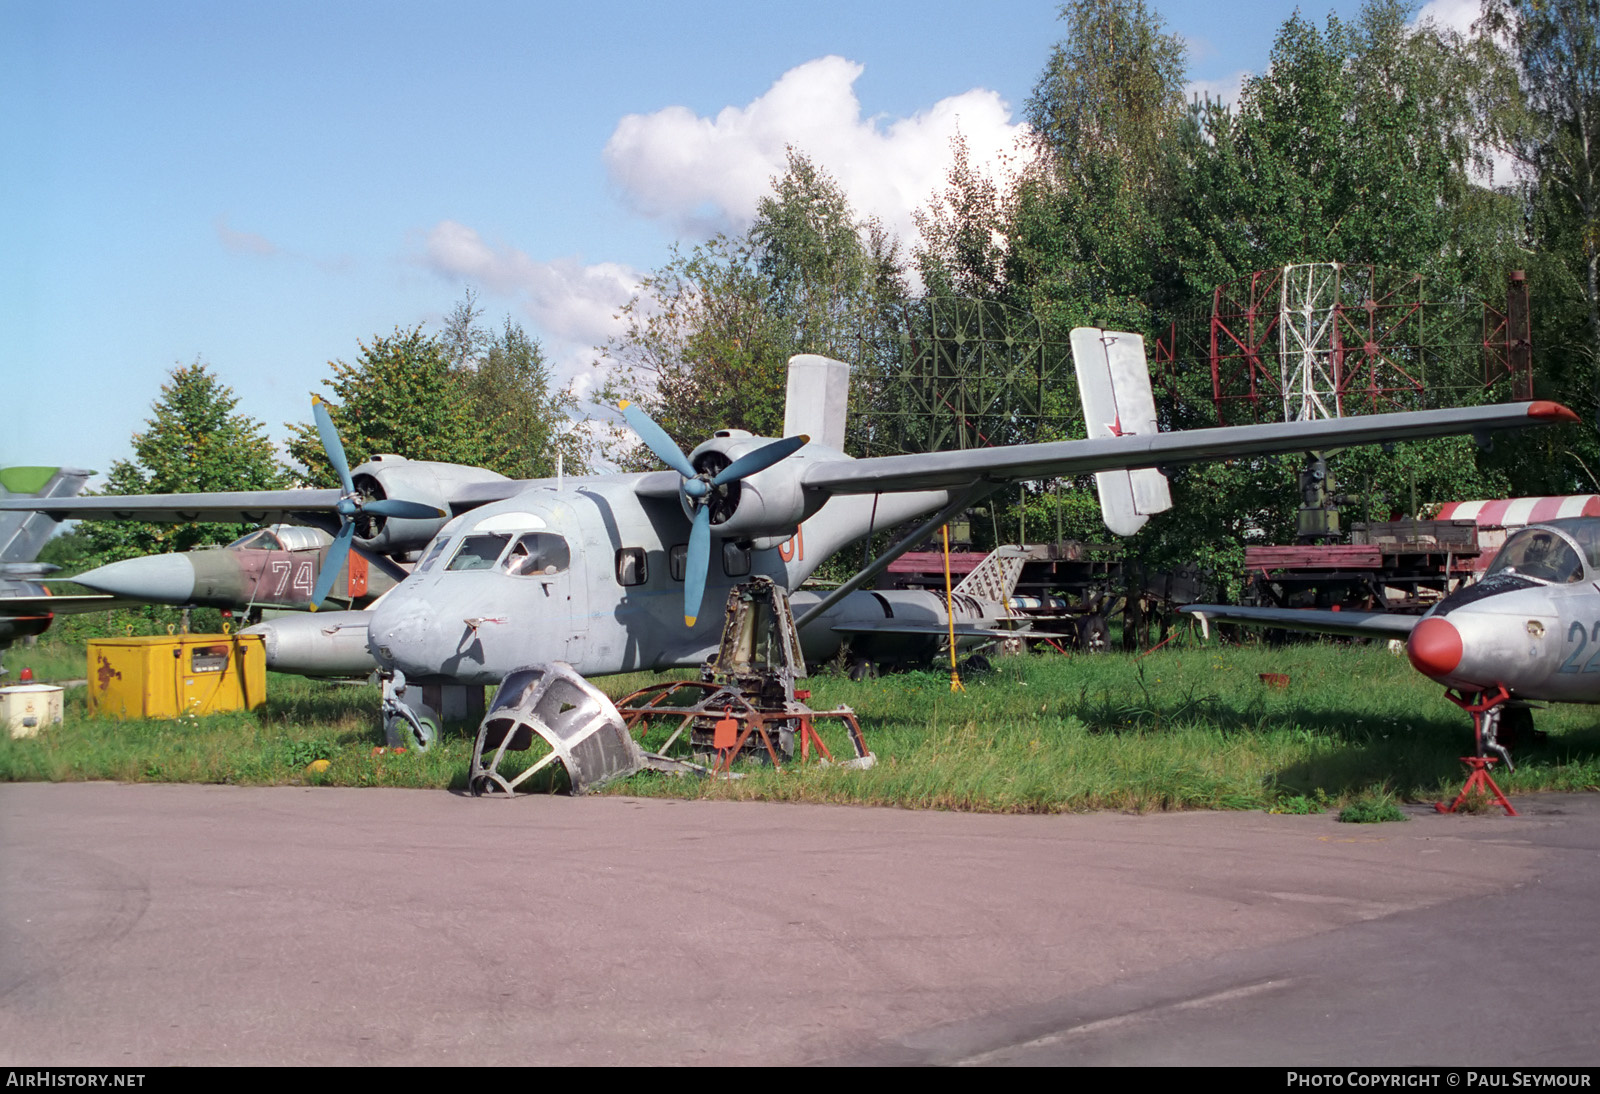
(167, 676)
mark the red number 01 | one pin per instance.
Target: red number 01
(794, 548)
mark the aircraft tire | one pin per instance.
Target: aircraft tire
(398, 733)
(862, 669)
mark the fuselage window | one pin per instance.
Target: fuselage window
(478, 552)
(433, 555)
(537, 553)
(1539, 554)
(735, 559)
(631, 569)
(678, 561)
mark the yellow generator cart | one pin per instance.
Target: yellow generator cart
(167, 676)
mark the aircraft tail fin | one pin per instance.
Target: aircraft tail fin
(818, 399)
(23, 534)
(1114, 385)
(995, 578)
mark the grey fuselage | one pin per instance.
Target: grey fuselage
(1530, 626)
(613, 604)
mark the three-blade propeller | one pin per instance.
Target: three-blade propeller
(701, 488)
(352, 504)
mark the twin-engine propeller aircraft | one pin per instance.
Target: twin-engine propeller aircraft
(888, 629)
(1529, 629)
(607, 573)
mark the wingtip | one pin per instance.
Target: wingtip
(1544, 408)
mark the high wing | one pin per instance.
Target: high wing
(1349, 624)
(956, 469)
(221, 507)
(314, 507)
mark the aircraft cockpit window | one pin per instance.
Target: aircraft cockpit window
(433, 555)
(478, 552)
(262, 539)
(537, 553)
(631, 568)
(1539, 554)
(1587, 533)
(735, 559)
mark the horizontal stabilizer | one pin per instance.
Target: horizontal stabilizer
(1349, 624)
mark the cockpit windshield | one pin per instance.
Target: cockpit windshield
(262, 539)
(478, 552)
(1540, 554)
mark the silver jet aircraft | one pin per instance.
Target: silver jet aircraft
(608, 573)
(1529, 629)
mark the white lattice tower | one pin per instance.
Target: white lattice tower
(1308, 341)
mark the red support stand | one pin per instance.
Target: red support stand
(1478, 780)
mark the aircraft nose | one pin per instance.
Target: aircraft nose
(399, 633)
(159, 579)
(1434, 647)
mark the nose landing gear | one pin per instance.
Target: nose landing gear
(1486, 709)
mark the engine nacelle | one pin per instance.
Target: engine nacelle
(435, 484)
(766, 505)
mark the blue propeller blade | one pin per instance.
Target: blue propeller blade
(403, 510)
(656, 440)
(331, 444)
(759, 460)
(337, 555)
(696, 565)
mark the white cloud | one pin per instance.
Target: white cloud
(572, 306)
(1456, 15)
(701, 175)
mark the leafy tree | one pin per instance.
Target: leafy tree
(510, 384)
(701, 350)
(195, 441)
(1355, 145)
(402, 396)
(709, 336)
(1087, 239)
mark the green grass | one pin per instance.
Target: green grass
(1184, 728)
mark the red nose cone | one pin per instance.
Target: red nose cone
(1434, 647)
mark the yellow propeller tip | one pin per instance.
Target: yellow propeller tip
(688, 620)
(625, 404)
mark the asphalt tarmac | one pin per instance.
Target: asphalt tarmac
(144, 925)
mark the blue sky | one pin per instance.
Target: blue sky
(264, 185)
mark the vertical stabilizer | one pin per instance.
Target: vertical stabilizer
(23, 535)
(1114, 384)
(818, 399)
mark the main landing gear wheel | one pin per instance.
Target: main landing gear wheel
(1094, 636)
